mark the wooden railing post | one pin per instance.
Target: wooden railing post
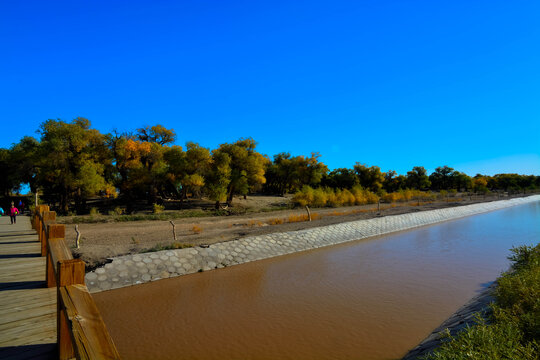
(39, 225)
(48, 217)
(70, 272)
(55, 232)
(35, 223)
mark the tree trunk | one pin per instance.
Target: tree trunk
(63, 202)
(230, 196)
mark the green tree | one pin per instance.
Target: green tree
(18, 166)
(370, 178)
(441, 178)
(288, 174)
(219, 177)
(187, 170)
(480, 184)
(71, 162)
(142, 170)
(156, 134)
(8, 180)
(246, 167)
(341, 178)
(308, 171)
(394, 182)
(461, 181)
(279, 174)
(418, 179)
(197, 166)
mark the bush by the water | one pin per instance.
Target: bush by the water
(513, 331)
(406, 195)
(322, 197)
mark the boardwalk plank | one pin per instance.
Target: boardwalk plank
(22, 248)
(18, 310)
(24, 295)
(27, 308)
(25, 332)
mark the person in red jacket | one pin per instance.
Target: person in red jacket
(13, 212)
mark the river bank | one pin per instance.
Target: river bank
(108, 239)
(140, 268)
(461, 319)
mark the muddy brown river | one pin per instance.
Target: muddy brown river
(369, 299)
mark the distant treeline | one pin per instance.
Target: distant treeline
(71, 162)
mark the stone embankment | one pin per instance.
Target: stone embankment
(460, 320)
(140, 268)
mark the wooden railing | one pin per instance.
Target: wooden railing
(82, 334)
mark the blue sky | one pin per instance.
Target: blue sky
(389, 83)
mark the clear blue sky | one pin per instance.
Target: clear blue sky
(388, 83)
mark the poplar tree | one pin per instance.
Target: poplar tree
(71, 162)
(247, 167)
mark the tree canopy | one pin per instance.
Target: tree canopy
(71, 163)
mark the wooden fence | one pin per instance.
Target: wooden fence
(81, 331)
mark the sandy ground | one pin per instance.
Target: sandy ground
(100, 241)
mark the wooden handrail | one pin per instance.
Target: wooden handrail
(86, 324)
(81, 332)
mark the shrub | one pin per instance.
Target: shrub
(304, 196)
(320, 197)
(372, 198)
(94, 211)
(117, 211)
(359, 195)
(443, 194)
(391, 197)
(331, 197)
(407, 194)
(336, 200)
(347, 197)
(518, 292)
(499, 341)
(158, 209)
(275, 221)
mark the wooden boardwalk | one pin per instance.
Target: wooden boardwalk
(28, 308)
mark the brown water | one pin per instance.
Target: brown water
(370, 299)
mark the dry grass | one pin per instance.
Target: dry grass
(253, 223)
(275, 221)
(304, 217)
(197, 229)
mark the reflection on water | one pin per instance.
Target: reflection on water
(371, 299)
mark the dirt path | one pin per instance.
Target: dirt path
(106, 240)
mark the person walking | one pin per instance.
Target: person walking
(13, 212)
